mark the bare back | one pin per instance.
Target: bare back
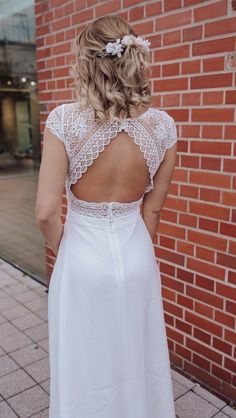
(114, 161)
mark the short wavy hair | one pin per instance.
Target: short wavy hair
(115, 87)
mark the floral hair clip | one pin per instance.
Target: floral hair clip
(116, 48)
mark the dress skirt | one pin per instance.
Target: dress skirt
(108, 352)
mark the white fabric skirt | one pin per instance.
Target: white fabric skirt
(108, 352)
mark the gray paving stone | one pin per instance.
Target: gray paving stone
(7, 365)
(7, 302)
(15, 341)
(2, 319)
(6, 280)
(231, 412)
(179, 390)
(29, 402)
(46, 385)
(15, 382)
(220, 415)
(37, 332)
(44, 344)
(182, 379)
(43, 313)
(28, 295)
(43, 414)
(27, 321)
(2, 353)
(39, 370)
(6, 329)
(208, 396)
(28, 355)
(6, 411)
(15, 289)
(36, 304)
(191, 405)
(15, 312)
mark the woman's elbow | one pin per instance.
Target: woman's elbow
(43, 213)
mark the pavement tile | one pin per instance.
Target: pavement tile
(36, 304)
(231, 412)
(43, 313)
(43, 414)
(38, 332)
(208, 396)
(6, 329)
(182, 379)
(15, 341)
(44, 344)
(8, 302)
(220, 415)
(29, 402)
(6, 411)
(2, 319)
(46, 385)
(15, 312)
(7, 365)
(179, 390)
(28, 295)
(39, 370)
(15, 382)
(191, 405)
(27, 321)
(27, 355)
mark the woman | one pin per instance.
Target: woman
(107, 344)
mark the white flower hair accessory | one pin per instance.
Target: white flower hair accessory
(116, 48)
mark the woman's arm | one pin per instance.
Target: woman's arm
(51, 183)
(154, 200)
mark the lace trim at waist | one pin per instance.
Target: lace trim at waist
(102, 209)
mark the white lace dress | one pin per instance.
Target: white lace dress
(108, 350)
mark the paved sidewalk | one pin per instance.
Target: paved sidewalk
(24, 368)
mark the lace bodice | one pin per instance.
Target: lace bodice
(84, 139)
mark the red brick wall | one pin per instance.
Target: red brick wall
(192, 80)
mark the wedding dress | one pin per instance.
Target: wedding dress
(108, 352)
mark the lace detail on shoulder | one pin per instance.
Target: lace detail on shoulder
(154, 132)
(54, 121)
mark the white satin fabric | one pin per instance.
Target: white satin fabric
(108, 350)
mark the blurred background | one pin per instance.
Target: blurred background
(20, 153)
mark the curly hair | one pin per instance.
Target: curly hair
(115, 87)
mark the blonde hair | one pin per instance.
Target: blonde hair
(115, 87)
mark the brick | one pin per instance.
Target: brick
(226, 260)
(230, 336)
(229, 198)
(222, 346)
(230, 97)
(173, 53)
(210, 179)
(209, 195)
(173, 20)
(193, 33)
(173, 309)
(191, 67)
(201, 374)
(205, 351)
(205, 254)
(153, 8)
(212, 148)
(211, 81)
(171, 100)
(220, 27)
(193, 162)
(224, 319)
(230, 364)
(203, 336)
(213, 115)
(213, 64)
(185, 301)
(230, 131)
(171, 5)
(136, 13)
(171, 84)
(200, 361)
(207, 240)
(228, 229)
(227, 291)
(143, 28)
(221, 373)
(204, 310)
(186, 276)
(170, 38)
(213, 97)
(191, 99)
(212, 131)
(170, 69)
(82, 17)
(204, 296)
(190, 131)
(204, 282)
(208, 269)
(212, 10)
(214, 46)
(183, 352)
(174, 335)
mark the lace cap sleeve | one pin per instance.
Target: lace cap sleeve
(171, 132)
(54, 122)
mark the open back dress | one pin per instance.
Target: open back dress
(108, 352)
